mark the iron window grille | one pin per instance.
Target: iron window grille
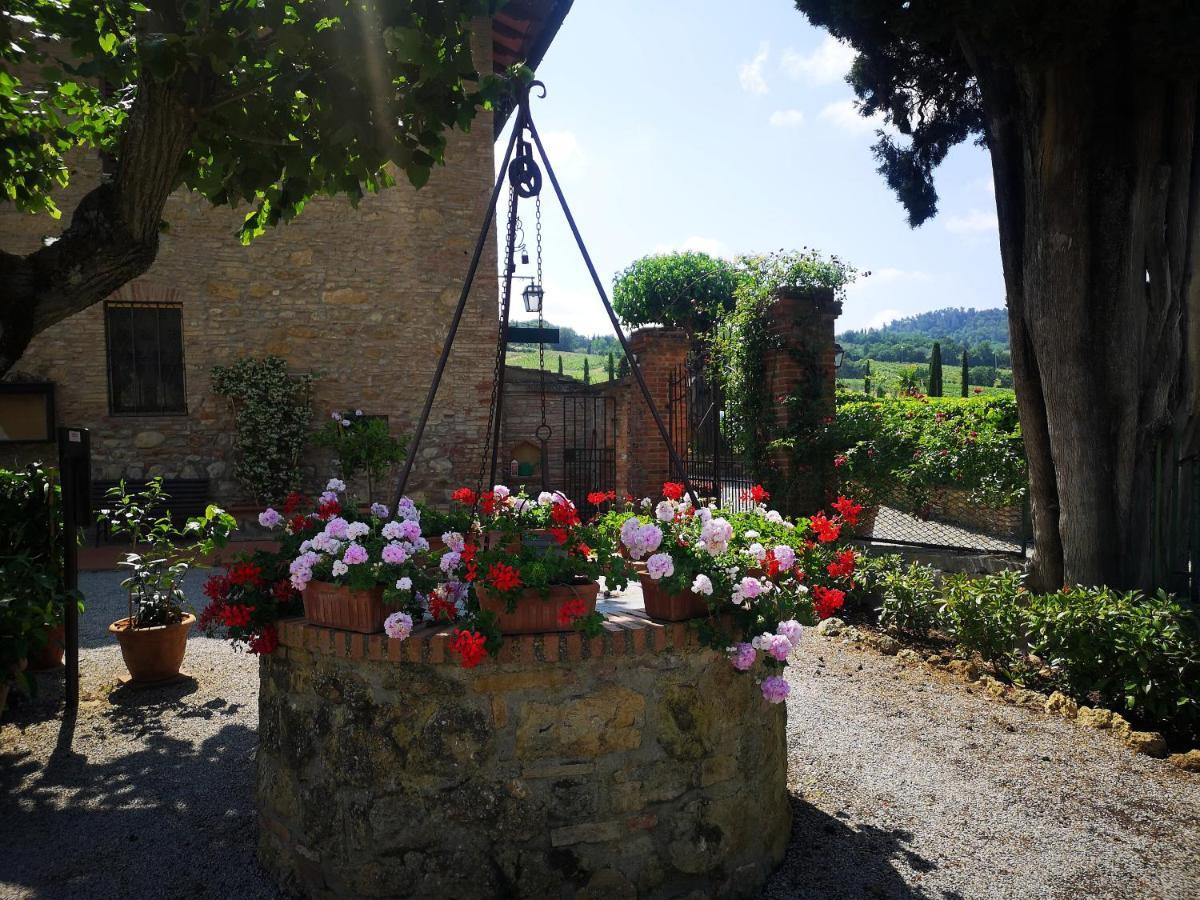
(145, 358)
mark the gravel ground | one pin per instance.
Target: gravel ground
(904, 784)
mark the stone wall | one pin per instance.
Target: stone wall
(636, 764)
(361, 297)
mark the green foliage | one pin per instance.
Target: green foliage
(155, 582)
(1126, 651)
(560, 364)
(361, 445)
(623, 366)
(690, 290)
(935, 371)
(272, 410)
(911, 339)
(32, 596)
(611, 366)
(897, 450)
(282, 99)
(966, 375)
(587, 371)
(572, 363)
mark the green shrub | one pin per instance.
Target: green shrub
(1136, 653)
(909, 601)
(1126, 651)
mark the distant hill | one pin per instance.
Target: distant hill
(570, 340)
(983, 332)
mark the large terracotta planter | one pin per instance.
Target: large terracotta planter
(533, 614)
(153, 654)
(335, 606)
(51, 655)
(662, 604)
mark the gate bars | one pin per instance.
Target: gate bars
(531, 183)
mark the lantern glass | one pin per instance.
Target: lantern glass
(533, 298)
(838, 354)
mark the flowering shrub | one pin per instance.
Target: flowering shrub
(898, 449)
(762, 576)
(360, 443)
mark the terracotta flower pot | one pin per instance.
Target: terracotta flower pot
(533, 614)
(153, 654)
(335, 606)
(51, 655)
(662, 604)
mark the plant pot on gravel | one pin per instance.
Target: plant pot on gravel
(50, 655)
(153, 653)
(153, 636)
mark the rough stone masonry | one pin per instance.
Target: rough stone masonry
(636, 764)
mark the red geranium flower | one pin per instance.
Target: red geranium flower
(503, 577)
(468, 552)
(282, 590)
(293, 502)
(672, 490)
(571, 610)
(827, 601)
(772, 564)
(559, 535)
(265, 642)
(824, 529)
(758, 494)
(842, 565)
(469, 646)
(487, 502)
(245, 573)
(217, 587)
(442, 607)
(848, 509)
(236, 616)
(464, 495)
(597, 497)
(563, 513)
(328, 509)
(839, 460)
(298, 523)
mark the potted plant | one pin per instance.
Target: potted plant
(539, 567)
(153, 636)
(353, 569)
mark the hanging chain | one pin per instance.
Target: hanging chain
(541, 307)
(501, 352)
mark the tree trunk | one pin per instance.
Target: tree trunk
(1098, 192)
(113, 235)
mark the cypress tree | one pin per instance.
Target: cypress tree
(966, 373)
(623, 366)
(867, 378)
(560, 371)
(935, 371)
(587, 372)
(612, 366)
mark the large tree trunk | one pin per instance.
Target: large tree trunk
(1097, 180)
(113, 235)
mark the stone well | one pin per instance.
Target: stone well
(638, 764)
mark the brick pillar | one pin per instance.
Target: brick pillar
(800, 364)
(659, 352)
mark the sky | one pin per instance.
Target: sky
(729, 128)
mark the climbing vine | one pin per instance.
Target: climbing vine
(759, 424)
(272, 408)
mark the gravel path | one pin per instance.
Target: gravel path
(904, 784)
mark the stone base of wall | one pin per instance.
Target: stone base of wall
(638, 764)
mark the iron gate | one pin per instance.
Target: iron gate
(695, 419)
(589, 447)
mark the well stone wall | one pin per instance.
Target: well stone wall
(638, 764)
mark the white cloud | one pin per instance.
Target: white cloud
(695, 243)
(884, 316)
(750, 74)
(564, 151)
(786, 118)
(844, 115)
(829, 62)
(976, 221)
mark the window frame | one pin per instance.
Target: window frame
(108, 359)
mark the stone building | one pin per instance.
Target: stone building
(360, 297)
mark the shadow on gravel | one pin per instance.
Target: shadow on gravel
(80, 828)
(829, 858)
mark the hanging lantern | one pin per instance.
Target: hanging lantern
(533, 297)
(838, 354)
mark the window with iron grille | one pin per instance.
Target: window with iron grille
(145, 358)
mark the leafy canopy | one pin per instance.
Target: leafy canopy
(679, 290)
(282, 99)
